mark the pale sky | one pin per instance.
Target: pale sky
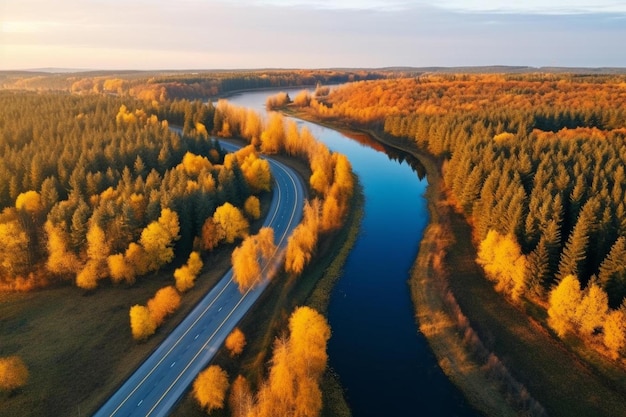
(221, 34)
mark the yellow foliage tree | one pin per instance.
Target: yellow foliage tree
(98, 251)
(136, 256)
(502, 259)
(309, 333)
(185, 276)
(235, 342)
(309, 398)
(564, 301)
(142, 324)
(252, 207)
(193, 164)
(158, 239)
(273, 138)
(282, 378)
(30, 201)
(165, 302)
(257, 173)
(592, 310)
(300, 247)
(615, 332)
(245, 258)
(230, 223)
(60, 259)
(13, 373)
(13, 249)
(120, 270)
(210, 387)
(246, 268)
(240, 400)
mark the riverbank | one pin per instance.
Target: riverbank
(475, 332)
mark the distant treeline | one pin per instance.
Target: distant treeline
(161, 86)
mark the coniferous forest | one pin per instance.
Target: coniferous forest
(535, 162)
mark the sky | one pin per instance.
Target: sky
(233, 34)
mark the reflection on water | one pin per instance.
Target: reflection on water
(383, 362)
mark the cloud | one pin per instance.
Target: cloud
(196, 34)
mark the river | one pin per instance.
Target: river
(383, 362)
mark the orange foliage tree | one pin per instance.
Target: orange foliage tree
(185, 276)
(230, 223)
(247, 257)
(142, 324)
(165, 302)
(504, 263)
(235, 342)
(209, 388)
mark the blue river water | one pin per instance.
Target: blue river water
(383, 362)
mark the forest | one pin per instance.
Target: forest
(102, 190)
(162, 86)
(535, 162)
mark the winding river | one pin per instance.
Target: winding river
(383, 362)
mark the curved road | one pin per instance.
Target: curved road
(155, 387)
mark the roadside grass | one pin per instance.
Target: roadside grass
(78, 346)
(269, 317)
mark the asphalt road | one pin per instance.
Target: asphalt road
(155, 387)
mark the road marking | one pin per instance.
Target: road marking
(173, 363)
(196, 338)
(139, 403)
(283, 237)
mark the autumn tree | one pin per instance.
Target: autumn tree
(209, 236)
(142, 324)
(564, 301)
(302, 242)
(503, 262)
(158, 239)
(235, 342)
(252, 207)
(230, 223)
(273, 137)
(165, 302)
(61, 260)
(13, 249)
(13, 373)
(185, 276)
(96, 267)
(119, 269)
(309, 333)
(592, 310)
(298, 361)
(257, 173)
(240, 400)
(615, 332)
(209, 388)
(248, 257)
